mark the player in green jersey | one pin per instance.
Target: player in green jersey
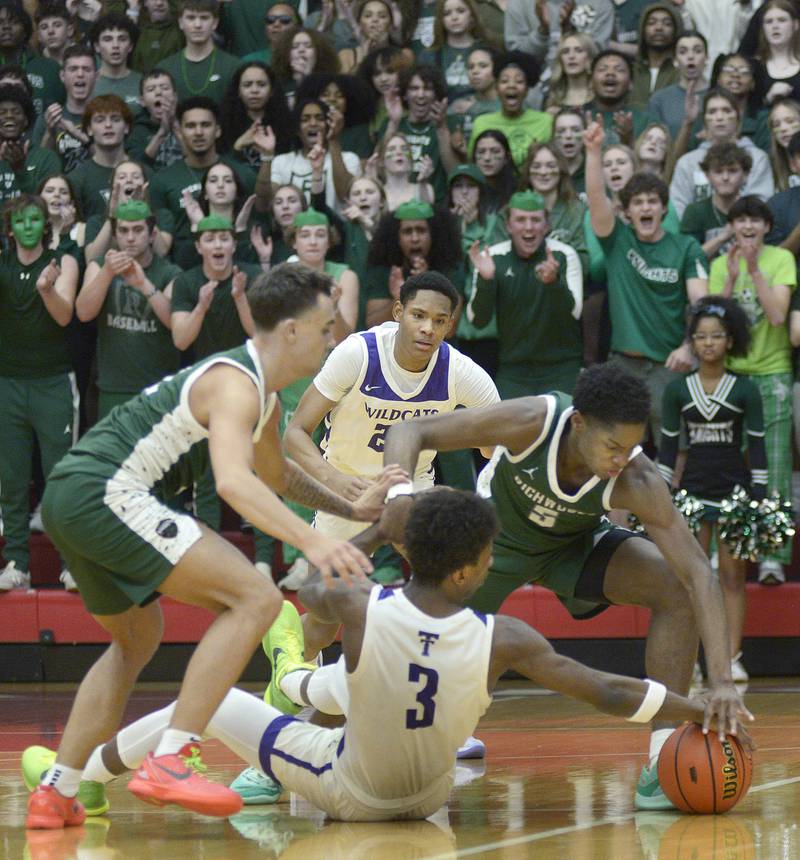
(104, 509)
(559, 467)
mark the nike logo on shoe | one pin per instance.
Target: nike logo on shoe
(176, 774)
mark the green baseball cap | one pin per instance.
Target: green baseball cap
(132, 210)
(214, 222)
(528, 201)
(311, 218)
(469, 170)
(414, 210)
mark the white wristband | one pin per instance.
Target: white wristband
(651, 703)
(404, 489)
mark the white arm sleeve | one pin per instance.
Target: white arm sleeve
(342, 368)
(574, 273)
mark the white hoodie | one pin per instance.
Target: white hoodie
(689, 183)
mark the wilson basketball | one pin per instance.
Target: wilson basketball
(699, 774)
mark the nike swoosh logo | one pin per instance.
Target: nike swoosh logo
(176, 774)
(371, 387)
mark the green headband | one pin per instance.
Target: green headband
(311, 218)
(528, 201)
(414, 210)
(133, 210)
(214, 222)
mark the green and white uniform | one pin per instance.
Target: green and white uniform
(134, 348)
(104, 503)
(547, 535)
(38, 393)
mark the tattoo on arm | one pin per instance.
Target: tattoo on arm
(305, 490)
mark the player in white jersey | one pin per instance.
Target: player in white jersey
(377, 378)
(420, 669)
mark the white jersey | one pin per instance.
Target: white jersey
(418, 691)
(372, 392)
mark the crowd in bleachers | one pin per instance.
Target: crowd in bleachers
(156, 156)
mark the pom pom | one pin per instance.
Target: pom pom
(690, 508)
(753, 529)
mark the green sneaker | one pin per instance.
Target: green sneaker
(35, 763)
(255, 787)
(649, 794)
(283, 646)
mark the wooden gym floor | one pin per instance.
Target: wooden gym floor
(557, 784)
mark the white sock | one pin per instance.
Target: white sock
(657, 740)
(290, 685)
(64, 779)
(174, 740)
(135, 741)
(95, 770)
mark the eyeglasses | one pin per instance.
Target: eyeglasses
(715, 336)
(279, 19)
(741, 71)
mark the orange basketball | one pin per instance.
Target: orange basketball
(700, 774)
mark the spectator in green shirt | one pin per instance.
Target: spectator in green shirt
(278, 19)
(54, 28)
(16, 29)
(516, 74)
(22, 166)
(159, 36)
(114, 37)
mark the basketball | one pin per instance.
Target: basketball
(701, 775)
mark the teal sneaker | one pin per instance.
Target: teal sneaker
(649, 794)
(255, 787)
(283, 646)
(35, 763)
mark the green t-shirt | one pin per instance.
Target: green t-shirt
(210, 77)
(703, 222)
(465, 119)
(134, 349)
(221, 328)
(139, 139)
(69, 149)
(647, 289)
(91, 182)
(32, 344)
(422, 37)
(423, 141)
(244, 27)
(521, 131)
(126, 88)
(453, 65)
(770, 349)
(535, 322)
(156, 42)
(39, 164)
(45, 79)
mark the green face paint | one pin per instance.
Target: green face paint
(28, 226)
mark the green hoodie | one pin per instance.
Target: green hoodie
(641, 86)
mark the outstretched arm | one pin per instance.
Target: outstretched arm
(519, 647)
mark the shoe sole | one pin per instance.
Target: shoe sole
(161, 795)
(471, 753)
(653, 804)
(259, 799)
(47, 822)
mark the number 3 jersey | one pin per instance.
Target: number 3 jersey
(418, 691)
(372, 392)
(537, 515)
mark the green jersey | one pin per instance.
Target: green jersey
(39, 164)
(647, 289)
(704, 222)
(32, 344)
(134, 348)
(423, 140)
(538, 515)
(209, 77)
(153, 442)
(222, 328)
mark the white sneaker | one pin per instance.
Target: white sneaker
(265, 569)
(738, 672)
(11, 577)
(35, 523)
(297, 576)
(68, 580)
(771, 573)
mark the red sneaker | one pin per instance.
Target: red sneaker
(167, 779)
(48, 809)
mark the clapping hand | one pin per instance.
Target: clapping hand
(482, 261)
